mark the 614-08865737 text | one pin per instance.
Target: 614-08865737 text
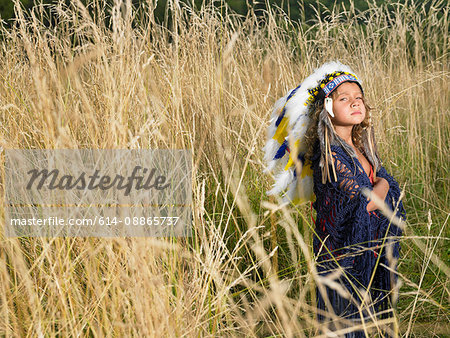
(142, 221)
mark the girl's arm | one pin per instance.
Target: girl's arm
(380, 188)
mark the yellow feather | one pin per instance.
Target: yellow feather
(281, 133)
(289, 164)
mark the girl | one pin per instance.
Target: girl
(322, 131)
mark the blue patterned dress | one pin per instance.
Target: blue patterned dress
(349, 236)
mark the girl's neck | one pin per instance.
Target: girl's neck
(345, 133)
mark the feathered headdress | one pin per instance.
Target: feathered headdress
(286, 145)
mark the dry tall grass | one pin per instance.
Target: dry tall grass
(207, 84)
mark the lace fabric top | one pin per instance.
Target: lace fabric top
(348, 235)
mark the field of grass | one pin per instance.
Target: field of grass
(207, 83)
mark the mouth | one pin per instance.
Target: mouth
(356, 113)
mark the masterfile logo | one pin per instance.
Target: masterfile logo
(91, 192)
(96, 181)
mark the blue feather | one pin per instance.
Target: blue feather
(281, 151)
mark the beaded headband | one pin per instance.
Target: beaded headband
(286, 145)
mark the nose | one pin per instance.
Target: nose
(355, 103)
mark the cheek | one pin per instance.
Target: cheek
(364, 110)
(337, 108)
(335, 105)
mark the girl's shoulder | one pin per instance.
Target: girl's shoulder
(343, 165)
(341, 156)
(338, 153)
(338, 150)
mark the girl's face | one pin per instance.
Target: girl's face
(348, 105)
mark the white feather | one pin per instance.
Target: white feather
(282, 180)
(270, 166)
(276, 111)
(290, 194)
(301, 190)
(270, 149)
(300, 127)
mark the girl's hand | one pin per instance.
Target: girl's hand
(380, 188)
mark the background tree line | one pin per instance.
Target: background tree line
(298, 10)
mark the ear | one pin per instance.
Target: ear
(329, 106)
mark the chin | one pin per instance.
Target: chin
(359, 118)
